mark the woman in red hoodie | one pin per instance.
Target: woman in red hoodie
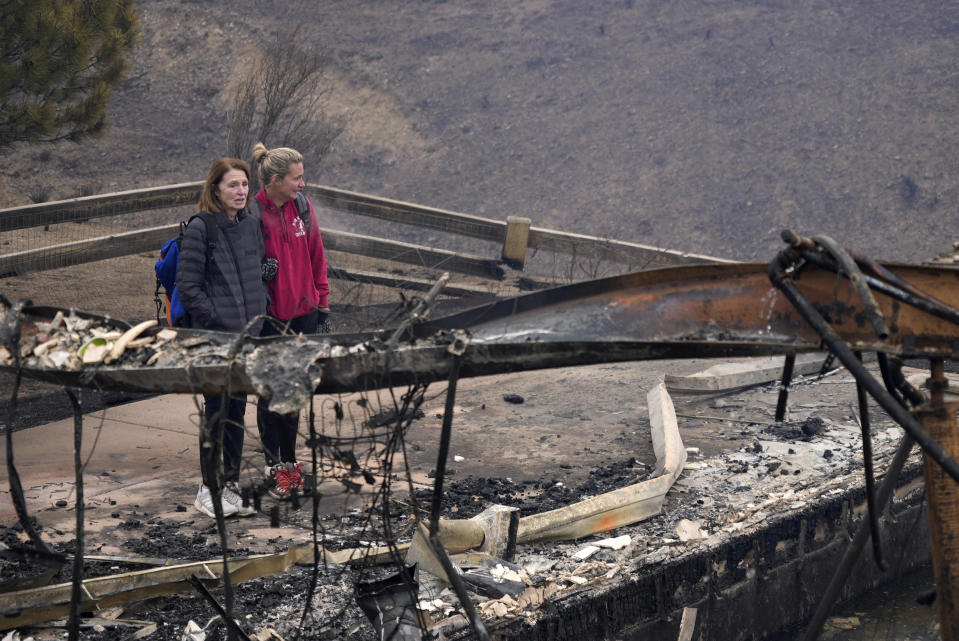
(295, 271)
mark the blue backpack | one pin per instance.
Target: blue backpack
(165, 269)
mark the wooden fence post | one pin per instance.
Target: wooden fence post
(516, 241)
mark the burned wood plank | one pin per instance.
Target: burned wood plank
(626, 505)
(86, 251)
(406, 282)
(123, 202)
(725, 376)
(411, 254)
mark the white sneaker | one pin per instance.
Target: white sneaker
(231, 496)
(204, 503)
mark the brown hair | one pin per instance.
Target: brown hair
(273, 162)
(209, 199)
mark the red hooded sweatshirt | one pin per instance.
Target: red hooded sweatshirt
(301, 285)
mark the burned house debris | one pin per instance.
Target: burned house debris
(486, 575)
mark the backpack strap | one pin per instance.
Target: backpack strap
(303, 208)
(211, 233)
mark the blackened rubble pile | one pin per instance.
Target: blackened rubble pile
(773, 471)
(465, 498)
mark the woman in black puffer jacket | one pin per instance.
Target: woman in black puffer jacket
(220, 284)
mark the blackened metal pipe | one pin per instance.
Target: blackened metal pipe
(784, 389)
(855, 546)
(838, 347)
(459, 587)
(872, 266)
(854, 274)
(867, 467)
(444, 448)
(73, 621)
(911, 298)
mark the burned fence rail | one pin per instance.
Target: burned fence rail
(515, 236)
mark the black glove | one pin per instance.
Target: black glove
(323, 325)
(269, 268)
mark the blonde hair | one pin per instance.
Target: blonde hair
(210, 199)
(273, 162)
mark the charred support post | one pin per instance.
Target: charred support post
(460, 588)
(444, 448)
(853, 550)
(784, 387)
(516, 241)
(867, 467)
(10, 335)
(475, 621)
(73, 621)
(942, 495)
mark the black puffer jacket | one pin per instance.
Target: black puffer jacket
(229, 292)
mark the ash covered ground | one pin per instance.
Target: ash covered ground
(555, 447)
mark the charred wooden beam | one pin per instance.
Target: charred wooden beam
(693, 311)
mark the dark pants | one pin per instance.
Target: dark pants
(228, 432)
(278, 431)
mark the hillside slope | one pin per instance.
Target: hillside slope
(700, 126)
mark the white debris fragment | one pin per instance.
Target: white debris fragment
(690, 531)
(500, 607)
(578, 580)
(586, 552)
(842, 623)
(692, 451)
(42, 348)
(63, 359)
(109, 334)
(166, 334)
(458, 458)
(431, 605)
(617, 543)
(590, 569)
(505, 574)
(94, 350)
(534, 596)
(193, 632)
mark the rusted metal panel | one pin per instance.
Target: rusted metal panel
(693, 311)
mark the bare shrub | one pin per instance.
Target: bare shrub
(39, 193)
(282, 102)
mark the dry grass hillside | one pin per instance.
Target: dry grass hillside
(695, 125)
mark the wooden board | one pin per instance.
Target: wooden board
(754, 371)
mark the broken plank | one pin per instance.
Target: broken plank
(407, 282)
(36, 605)
(745, 373)
(687, 624)
(626, 505)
